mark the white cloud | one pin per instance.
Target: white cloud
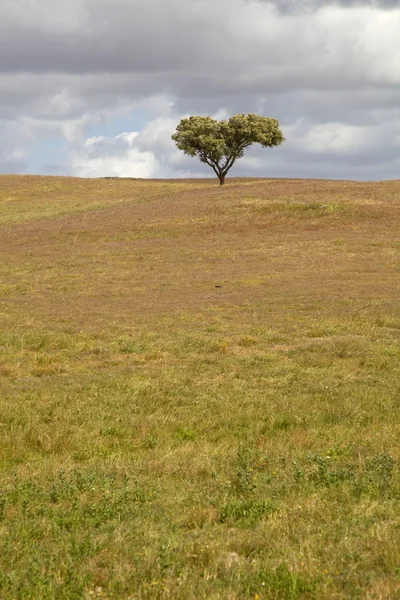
(133, 164)
(129, 154)
(337, 138)
(114, 156)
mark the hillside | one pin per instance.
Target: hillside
(199, 389)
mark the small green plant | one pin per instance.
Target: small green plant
(2, 507)
(244, 481)
(282, 584)
(151, 442)
(129, 345)
(246, 511)
(378, 472)
(298, 473)
(184, 434)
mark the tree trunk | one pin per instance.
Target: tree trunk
(221, 178)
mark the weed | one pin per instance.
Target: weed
(378, 473)
(248, 512)
(131, 346)
(244, 481)
(185, 434)
(282, 584)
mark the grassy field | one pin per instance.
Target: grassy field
(199, 389)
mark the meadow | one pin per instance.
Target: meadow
(199, 389)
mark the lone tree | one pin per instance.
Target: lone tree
(220, 143)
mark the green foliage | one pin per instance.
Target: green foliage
(377, 477)
(247, 512)
(220, 143)
(185, 435)
(244, 481)
(283, 584)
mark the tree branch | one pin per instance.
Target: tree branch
(215, 166)
(245, 145)
(228, 164)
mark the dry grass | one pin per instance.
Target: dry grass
(199, 389)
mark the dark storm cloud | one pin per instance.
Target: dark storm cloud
(106, 36)
(137, 48)
(287, 6)
(373, 3)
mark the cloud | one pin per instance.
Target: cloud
(116, 157)
(312, 5)
(329, 71)
(338, 139)
(144, 154)
(12, 160)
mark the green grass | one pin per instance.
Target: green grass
(162, 437)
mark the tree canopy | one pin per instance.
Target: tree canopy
(220, 143)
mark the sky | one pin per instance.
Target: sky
(95, 88)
